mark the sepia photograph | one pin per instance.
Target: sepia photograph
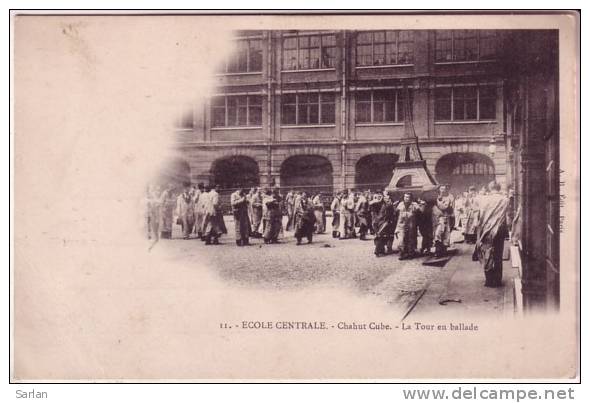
(295, 197)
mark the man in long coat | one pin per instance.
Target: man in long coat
(443, 217)
(185, 211)
(273, 216)
(406, 230)
(492, 231)
(384, 224)
(304, 218)
(239, 204)
(363, 215)
(472, 211)
(320, 214)
(348, 216)
(199, 210)
(290, 205)
(256, 207)
(335, 207)
(214, 224)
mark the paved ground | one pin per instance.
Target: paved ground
(327, 262)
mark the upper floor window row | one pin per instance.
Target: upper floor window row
(309, 52)
(236, 111)
(465, 45)
(246, 58)
(384, 48)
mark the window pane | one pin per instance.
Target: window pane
(364, 38)
(232, 111)
(442, 106)
(242, 106)
(328, 51)
(288, 114)
(406, 47)
(443, 51)
(255, 115)
(328, 113)
(218, 116)
(363, 107)
(304, 58)
(379, 55)
(364, 55)
(487, 45)
(290, 54)
(487, 103)
(255, 56)
(327, 97)
(390, 36)
(465, 45)
(314, 113)
(379, 37)
(400, 107)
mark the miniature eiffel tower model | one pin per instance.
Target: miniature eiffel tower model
(410, 171)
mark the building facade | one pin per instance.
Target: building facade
(325, 109)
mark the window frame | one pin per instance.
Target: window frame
(478, 40)
(238, 106)
(298, 50)
(235, 55)
(386, 44)
(478, 118)
(398, 120)
(318, 101)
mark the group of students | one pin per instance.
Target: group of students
(197, 210)
(388, 219)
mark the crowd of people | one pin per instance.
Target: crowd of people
(259, 213)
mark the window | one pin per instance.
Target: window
(384, 48)
(464, 103)
(308, 52)
(247, 57)
(379, 106)
(473, 167)
(235, 111)
(308, 108)
(465, 45)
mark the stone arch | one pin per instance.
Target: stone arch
(374, 171)
(310, 172)
(235, 171)
(464, 169)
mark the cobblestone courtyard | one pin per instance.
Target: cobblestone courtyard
(326, 262)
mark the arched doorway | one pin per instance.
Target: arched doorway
(462, 170)
(235, 172)
(312, 173)
(374, 171)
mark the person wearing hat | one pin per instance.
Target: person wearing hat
(239, 204)
(272, 201)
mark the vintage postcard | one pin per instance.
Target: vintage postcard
(383, 197)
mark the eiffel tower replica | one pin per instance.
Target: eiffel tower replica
(410, 172)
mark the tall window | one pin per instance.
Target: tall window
(307, 52)
(308, 108)
(247, 57)
(465, 103)
(465, 45)
(379, 48)
(235, 111)
(379, 106)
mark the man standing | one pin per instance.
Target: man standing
(290, 204)
(256, 205)
(198, 210)
(185, 211)
(168, 206)
(492, 231)
(274, 216)
(472, 214)
(442, 217)
(384, 224)
(335, 207)
(304, 218)
(319, 212)
(406, 227)
(348, 205)
(364, 215)
(214, 224)
(239, 205)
